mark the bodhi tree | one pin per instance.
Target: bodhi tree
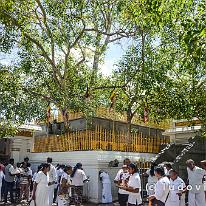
(180, 28)
(140, 77)
(61, 44)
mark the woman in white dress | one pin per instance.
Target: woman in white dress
(41, 187)
(65, 187)
(106, 187)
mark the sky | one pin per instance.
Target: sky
(112, 56)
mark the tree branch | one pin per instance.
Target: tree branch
(108, 87)
(47, 98)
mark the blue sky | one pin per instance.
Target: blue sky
(112, 56)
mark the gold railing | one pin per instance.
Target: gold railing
(24, 133)
(116, 116)
(99, 139)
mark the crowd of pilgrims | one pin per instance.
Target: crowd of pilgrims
(63, 184)
(164, 187)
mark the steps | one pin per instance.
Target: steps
(169, 153)
(196, 150)
(178, 154)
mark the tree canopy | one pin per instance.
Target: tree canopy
(61, 44)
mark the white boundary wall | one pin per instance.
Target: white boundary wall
(93, 162)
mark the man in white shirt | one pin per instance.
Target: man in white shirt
(10, 171)
(177, 185)
(52, 180)
(121, 178)
(195, 177)
(203, 163)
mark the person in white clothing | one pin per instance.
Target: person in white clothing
(1, 179)
(60, 172)
(106, 187)
(25, 181)
(10, 172)
(52, 180)
(41, 187)
(167, 168)
(196, 174)
(122, 178)
(78, 177)
(203, 163)
(162, 188)
(133, 186)
(176, 196)
(65, 187)
(152, 179)
(35, 174)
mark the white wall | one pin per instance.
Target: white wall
(93, 162)
(20, 147)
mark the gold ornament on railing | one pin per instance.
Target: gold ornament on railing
(99, 139)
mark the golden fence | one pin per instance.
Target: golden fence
(116, 116)
(24, 133)
(99, 139)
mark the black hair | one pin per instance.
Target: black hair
(152, 168)
(78, 166)
(44, 166)
(174, 171)
(126, 159)
(67, 167)
(168, 165)
(160, 170)
(39, 168)
(134, 166)
(11, 161)
(26, 159)
(49, 160)
(28, 165)
(62, 166)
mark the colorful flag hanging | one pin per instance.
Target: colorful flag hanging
(113, 100)
(146, 114)
(48, 113)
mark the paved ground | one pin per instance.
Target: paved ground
(88, 204)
